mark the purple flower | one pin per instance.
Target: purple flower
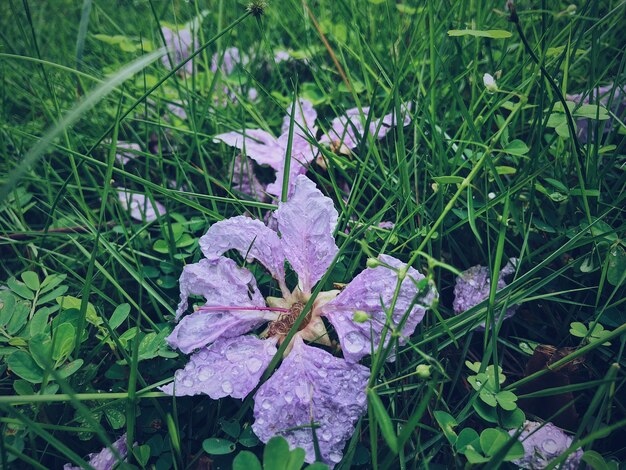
(140, 207)
(266, 149)
(603, 94)
(347, 131)
(473, 285)
(230, 58)
(544, 442)
(105, 459)
(181, 45)
(126, 151)
(312, 390)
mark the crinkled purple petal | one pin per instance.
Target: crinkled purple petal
(251, 238)
(389, 121)
(344, 130)
(312, 385)
(244, 179)
(105, 459)
(306, 223)
(305, 117)
(542, 444)
(220, 282)
(126, 151)
(257, 144)
(228, 367)
(139, 206)
(473, 285)
(181, 45)
(295, 169)
(368, 292)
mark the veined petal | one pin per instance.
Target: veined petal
(228, 367)
(305, 116)
(295, 169)
(312, 386)
(372, 289)
(251, 238)
(220, 282)
(259, 145)
(306, 223)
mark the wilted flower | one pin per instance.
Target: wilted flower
(139, 206)
(544, 442)
(473, 285)
(106, 458)
(490, 83)
(312, 390)
(181, 45)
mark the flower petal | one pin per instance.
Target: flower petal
(311, 385)
(389, 121)
(305, 116)
(139, 206)
(244, 179)
(228, 367)
(544, 443)
(295, 169)
(259, 145)
(251, 238)
(368, 292)
(306, 223)
(105, 459)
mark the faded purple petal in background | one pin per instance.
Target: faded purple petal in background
(306, 224)
(365, 293)
(244, 179)
(251, 238)
(473, 285)
(601, 96)
(105, 459)
(228, 367)
(126, 151)
(311, 385)
(180, 44)
(542, 444)
(230, 58)
(139, 206)
(257, 144)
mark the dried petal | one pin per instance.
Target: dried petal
(311, 385)
(544, 443)
(105, 459)
(228, 367)
(251, 238)
(372, 289)
(257, 144)
(306, 223)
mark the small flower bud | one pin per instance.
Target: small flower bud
(372, 263)
(257, 8)
(360, 316)
(435, 187)
(490, 83)
(491, 196)
(423, 371)
(571, 10)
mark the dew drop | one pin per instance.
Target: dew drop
(288, 397)
(335, 457)
(326, 359)
(327, 435)
(550, 446)
(266, 405)
(236, 370)
(353, 342)
(322, 373)
(254, 364)
(188, 382)
(227, 387)
(205, 373)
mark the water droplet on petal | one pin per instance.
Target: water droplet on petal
(266, 405)
(550, 446)
(288, 397)
(227, 387)
(326, 359)
(335, 457)
(353, 342)
(205, 373)
(236, 370)
(254, 364)
(188, 382)
(327, 435)
(322, 373)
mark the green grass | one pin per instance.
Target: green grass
(477, 178)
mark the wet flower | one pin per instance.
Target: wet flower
(544, 442)
(106, 458)
(312, 390)
(473, 285)
(490, 83)
(181, 45)
(139, 206)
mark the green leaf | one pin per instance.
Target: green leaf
(506, 170)
(247, 438)
(516, 147)
(115, 416)
(491, 440)
(68, 302)
(215, 446)
(317, 466)
(63, 340)
(578, 329)
(616, 271)
(488, 397)
(448, 179)
(142, 454)
(161, 246)
(7, 306)
(485, 411)
(50, 282)
(230, 427)
(384, 421)
(19, 319)
(70, 368)
(23, 365)
(596, 461)
(40, 347)
(39, 322)
(246, 460)
(490, 33)
(592, 111)
(59, 291)
(276, 453)
(506, 400)
(467, 437)
(22, 387)
(446, 423)
(20, 289)
(119, 315)
(474, 457)
(31, 280)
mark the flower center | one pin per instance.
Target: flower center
(285, 321)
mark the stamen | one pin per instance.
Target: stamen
(257, 309)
